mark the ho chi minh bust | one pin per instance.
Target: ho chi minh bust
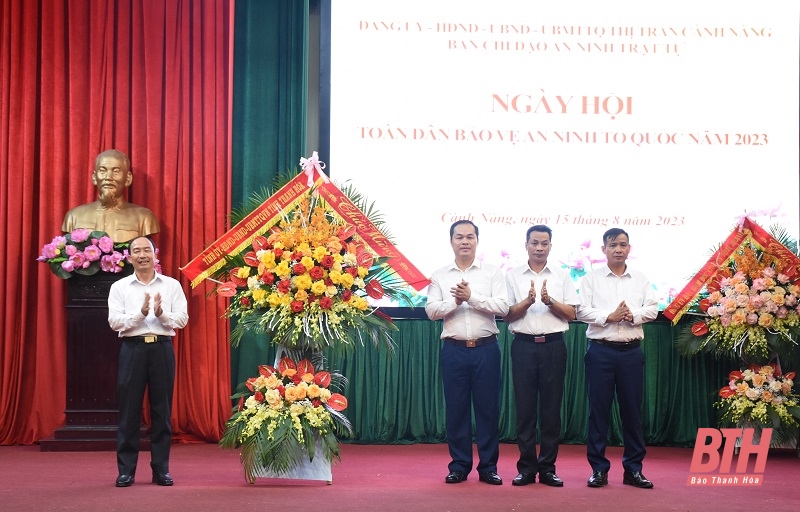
(123, 221)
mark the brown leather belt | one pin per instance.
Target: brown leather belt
(617, 345)
(539, 338)
(149, 338)
(471, 343)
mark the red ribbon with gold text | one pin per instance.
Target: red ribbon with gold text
(240, 237)
(683, 300)
(371, 235)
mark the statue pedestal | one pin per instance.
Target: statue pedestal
(92, 359)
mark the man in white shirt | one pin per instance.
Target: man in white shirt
(145, 308)
(615, 302)
(543, 300)
(467, 294)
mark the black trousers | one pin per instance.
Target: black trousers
(150, 366)
(611, 372)
(538, 371)
(471, 379)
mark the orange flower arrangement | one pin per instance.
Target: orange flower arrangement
(285, 410)
(307, 283)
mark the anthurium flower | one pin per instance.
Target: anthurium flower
(259, 243)
(374, 289)
(286, 363)
(251, 259)
(322, 379)
(735, 375)
(227, 289)
(337, 402)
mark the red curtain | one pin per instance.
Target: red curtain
(152, 79)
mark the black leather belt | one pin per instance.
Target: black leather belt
(150, 338)
(539, 338)
(617, 345)
(471, 343)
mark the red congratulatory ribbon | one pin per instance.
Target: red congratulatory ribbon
(678, 307)
(372, 236)
(268, 214)
(240, 236)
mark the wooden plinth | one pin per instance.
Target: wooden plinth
(92, 412)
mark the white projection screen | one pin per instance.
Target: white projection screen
(671, 120)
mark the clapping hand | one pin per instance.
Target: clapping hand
(545, 296)
(146, 305)
(461, 292)
(156, 304)
(532, 293)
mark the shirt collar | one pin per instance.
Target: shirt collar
(475, 263)
(136, 279)
(610, 272)
(545, 269)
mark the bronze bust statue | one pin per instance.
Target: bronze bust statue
(123, 221)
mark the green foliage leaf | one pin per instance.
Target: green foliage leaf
(689, 345)
(59, 271)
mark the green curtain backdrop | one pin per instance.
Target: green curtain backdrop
(270, 97)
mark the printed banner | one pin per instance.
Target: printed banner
(678, 306)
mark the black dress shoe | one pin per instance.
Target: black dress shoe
(636, 479)
(598, 479)
(455, 477)
(124, 480)
(490, 477)
(524, 479)
(162, 479)
(551, 479)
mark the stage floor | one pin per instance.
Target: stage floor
(373, 477)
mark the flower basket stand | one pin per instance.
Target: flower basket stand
(318, 469)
